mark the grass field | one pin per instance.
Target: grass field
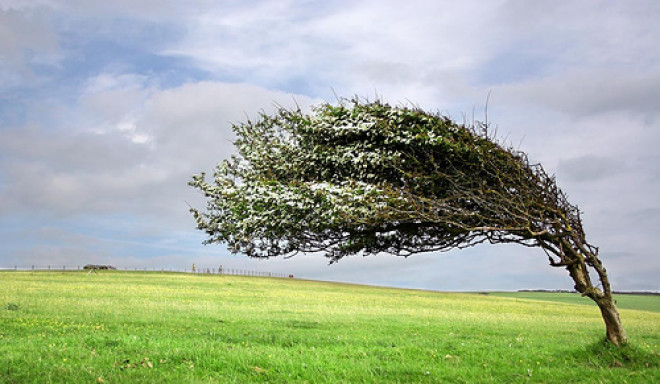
(127, 327)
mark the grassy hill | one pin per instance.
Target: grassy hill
(127, 327)
(649, 303)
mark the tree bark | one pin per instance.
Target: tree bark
(580, 275)
(614, 329)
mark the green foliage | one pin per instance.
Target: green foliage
(126, 327)
(369, 177)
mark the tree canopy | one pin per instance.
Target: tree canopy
(367, 177)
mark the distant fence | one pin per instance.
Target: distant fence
(194, 270)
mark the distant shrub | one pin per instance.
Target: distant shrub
(98, 266)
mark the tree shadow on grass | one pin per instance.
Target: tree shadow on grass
(603, 354)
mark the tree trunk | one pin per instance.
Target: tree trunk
(613, 327)
(615, 332)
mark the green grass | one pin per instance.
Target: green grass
(649, 303)
(126, 327)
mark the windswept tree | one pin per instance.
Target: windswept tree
(366, 177)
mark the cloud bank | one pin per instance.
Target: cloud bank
(108, 108)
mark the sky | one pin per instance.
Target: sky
(107, 108)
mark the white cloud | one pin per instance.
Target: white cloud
(142, 163)
(352, 47)
(26, 39)
(592, 91)
(108, 81)
(589, 168)
(93, 127)
(17, 5)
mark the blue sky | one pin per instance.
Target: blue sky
(108, 108)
